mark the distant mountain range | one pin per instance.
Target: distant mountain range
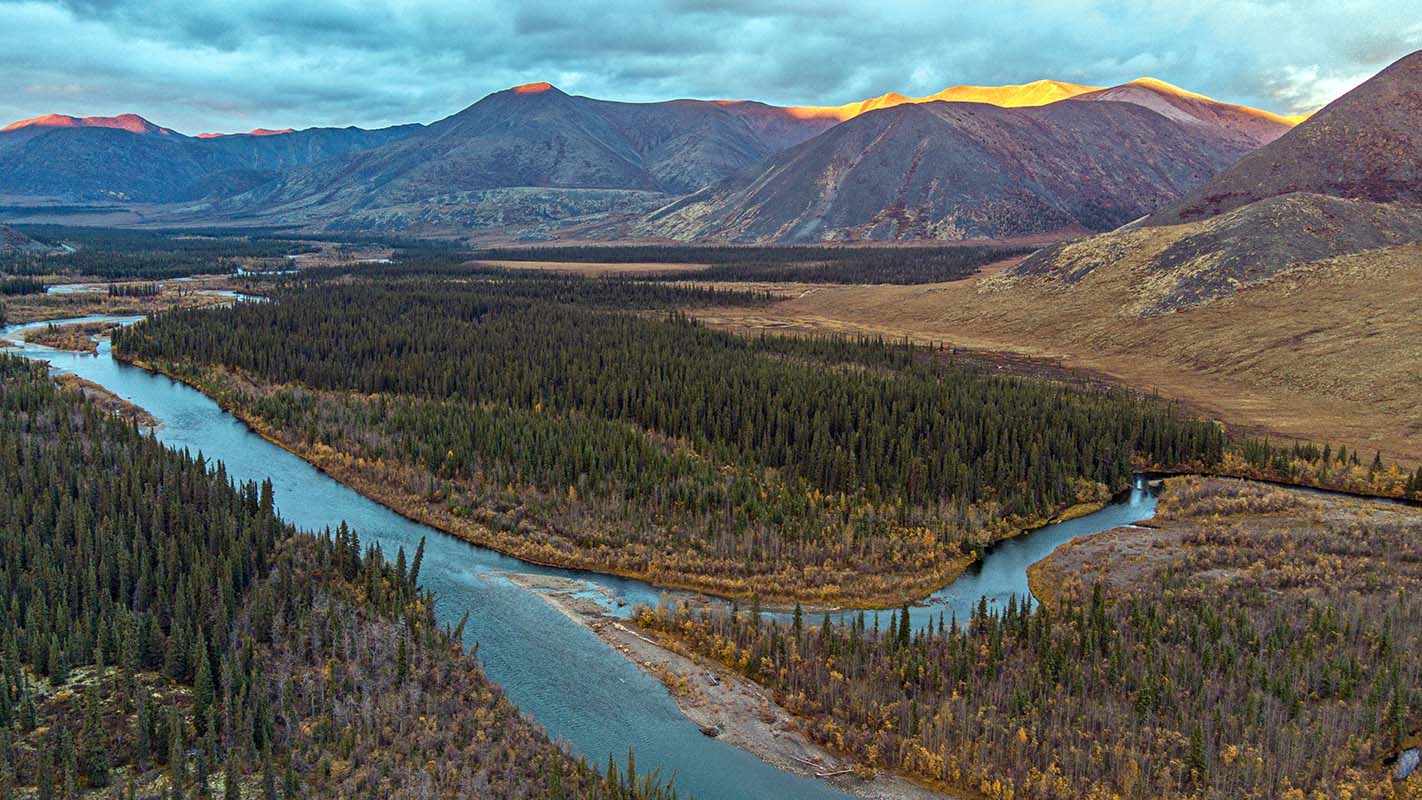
(129, 158)
(940, 170)
(1346, 181)
(534, 162)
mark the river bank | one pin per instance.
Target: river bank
(393, 485)
(110, 402)
(77, 338)
(63, 306)
(601, 709)
(721, 703)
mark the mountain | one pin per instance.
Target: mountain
(1246, 128)
(536, 157)
(129, 158)
(1347, 181)
(561, 155)
(1190, 264)
(1365, 145)
(123, 122)
(956, 171)
(253, 132)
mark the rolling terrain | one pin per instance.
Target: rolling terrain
(995, 162)
(1364, 145)
(529, 154)
(1294, 314)
(956, 171)
(1346, 181)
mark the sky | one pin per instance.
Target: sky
(220, 65)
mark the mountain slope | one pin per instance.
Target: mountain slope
(1366, 145)
(561, 155)
(1347, 181)
(956, 171)
(1177, 266)
(1244, 127)
(130, 158)
(14, 243)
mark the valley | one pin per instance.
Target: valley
(670, 454)
(1050, 440)
(1292, 359)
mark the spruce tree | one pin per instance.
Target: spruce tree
(96, 762)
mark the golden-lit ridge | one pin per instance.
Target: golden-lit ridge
(1036, 93)
(124, 122)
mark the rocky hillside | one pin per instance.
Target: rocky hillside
(1184, 265)
(1346, 181)
(957, 171)
(1242, 127)
(559, 153)
(1366, 144)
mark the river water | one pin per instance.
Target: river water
(579, 690)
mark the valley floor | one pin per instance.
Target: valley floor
(1327, 355)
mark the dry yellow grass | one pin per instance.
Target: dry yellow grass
(1330, 353)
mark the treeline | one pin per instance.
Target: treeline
(416, 269)
(756, 450)
(164, 633)
(1293, 677)
(18, 286)
(809, 264)
(1308, 464)
(147, 255)
(135, 289)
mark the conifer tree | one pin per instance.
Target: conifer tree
(97, 759)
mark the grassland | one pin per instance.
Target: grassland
(1328, 353)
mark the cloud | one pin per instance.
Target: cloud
(211, 64)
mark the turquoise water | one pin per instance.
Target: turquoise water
(578, 689)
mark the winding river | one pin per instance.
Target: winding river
(580, 690)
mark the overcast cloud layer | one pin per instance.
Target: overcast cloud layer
(200, 65)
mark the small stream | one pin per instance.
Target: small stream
(579, 690)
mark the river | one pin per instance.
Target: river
(579, 690)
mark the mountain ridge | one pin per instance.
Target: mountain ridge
(1346, 182)
(954, 171)
(1364, 145)
(535, 155)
